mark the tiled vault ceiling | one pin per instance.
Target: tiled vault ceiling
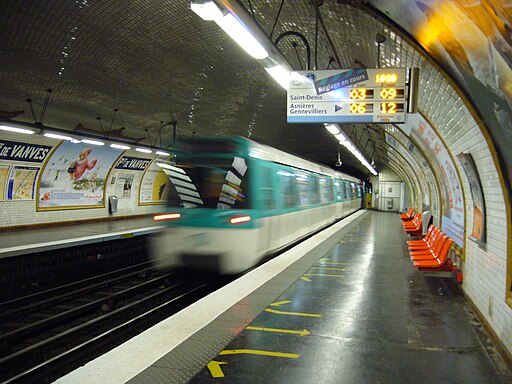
(156, 61)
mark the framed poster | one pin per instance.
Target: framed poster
(74, 177)
(478, 231)
(21, 183)
(4, 172)
(155, 186)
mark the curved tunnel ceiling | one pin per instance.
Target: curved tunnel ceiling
(156, 62)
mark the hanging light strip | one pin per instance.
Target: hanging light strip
(242, 28)
(345, 141)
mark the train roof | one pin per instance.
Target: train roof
(265, 152)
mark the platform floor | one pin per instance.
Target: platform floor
(43, 239)
(352, 310)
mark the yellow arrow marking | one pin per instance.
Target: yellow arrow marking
(342, 242)
(305, 279)
(215, 369)
(301, 333)
(278, 303)
(291, 313)
(321, 274)
(258, 352)
(330, 269)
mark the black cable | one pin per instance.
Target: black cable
(300, 36)
(294, 45)
(277, 18)
(29, 101)
(112, 122)
(316, 38)
(46, 101)
(251, 8)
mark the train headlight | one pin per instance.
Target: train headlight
(167, 216)
(240, 219)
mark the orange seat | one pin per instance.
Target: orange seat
(408, 215)
(432, 232)
(427, 242)
(431, 253)
(440, 261)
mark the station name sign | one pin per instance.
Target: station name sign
(361, 95)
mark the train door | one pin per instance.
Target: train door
(268, 208)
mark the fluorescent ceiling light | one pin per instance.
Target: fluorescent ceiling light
(207, 10)
(343, 140)
(17, 130)
(143, 150)
(333, 129)
(93, 142)
(280, 74)
(162, 153)
(242, 36)
(57, 136)
(119, 146)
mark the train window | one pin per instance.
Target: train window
(325, 190)
(287, 189)
(302, 189)
(219, 183)
(314, 191)
(266, 188)
(348, 191)
(337, 189)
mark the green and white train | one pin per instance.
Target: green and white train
(232, 202)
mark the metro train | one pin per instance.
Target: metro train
(233, 202)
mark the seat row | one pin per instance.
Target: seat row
(431, 252)
(413, 225)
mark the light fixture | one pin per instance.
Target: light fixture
(57, 136)
(208, 10)
(144, 150)
(345, 141)
(93, 142)
(332, 128)
(16, 130)
(119, 146)
(162, 153)
(280, 74)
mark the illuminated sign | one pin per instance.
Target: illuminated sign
(363, 95)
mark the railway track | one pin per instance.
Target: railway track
(45, 335)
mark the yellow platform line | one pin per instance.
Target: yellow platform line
(278, 330)
(321, 274)
(258, 352)
(292, 313)
(330, 268)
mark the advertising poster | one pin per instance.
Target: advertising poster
(155, 186)
(453, 206)
(478, 231)
(21, 183)
(74, 177)
(124, 185)
(4, 171)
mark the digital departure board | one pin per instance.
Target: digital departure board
(362, 95)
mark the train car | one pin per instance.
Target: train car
(233, 201)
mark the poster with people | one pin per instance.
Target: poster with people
(74, 177)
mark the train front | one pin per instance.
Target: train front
(208, 218)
